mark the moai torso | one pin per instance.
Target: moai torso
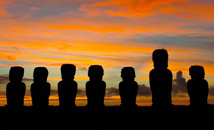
(96, 87)
(67, 88)
(15, 90)
(197, 87)
(128, 87)
(161, 79)
(40, 89)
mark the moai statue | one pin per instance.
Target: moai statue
(15, 90)
(128, 87)
(40, 89)
(161, 79)
(197, 86)
(95, 87)
(67, 88)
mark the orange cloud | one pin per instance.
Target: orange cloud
(87, 28)
(191, 11)
(7, 57)
(84, 53)
(126, 8)
(141, 8)
(3, 5)
(130, 29)
(2, 12)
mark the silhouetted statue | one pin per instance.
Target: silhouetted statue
(40, 89)
(128, 87)
(161, 79)
(197, 86)
(96, 87)
(67, 88)
(15, 90)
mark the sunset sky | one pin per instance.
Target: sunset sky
(111, 33)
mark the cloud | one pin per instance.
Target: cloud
(80, 92)
(112, 91)
(179, 88)
(4, 4)
(183, 9)
(125, 8)
(83, 68)
(2, 93)
(54, 92)
(88, 28)
(200, 10)
(211, 90)
(179, 84)
(7, 56)
(34, 8)
(5, 79)
(144, 90)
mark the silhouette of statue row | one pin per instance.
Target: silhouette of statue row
(160, 83)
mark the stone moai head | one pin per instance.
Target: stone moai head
(196, 72)
(96, 72)
(68, 71)
(16, 74)
(40, 74)
(160, 58)
(128, 73)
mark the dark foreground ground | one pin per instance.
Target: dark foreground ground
(108, 118)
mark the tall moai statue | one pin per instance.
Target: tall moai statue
(40, 89)
(161, 79)
(128, 87)
(67, 88)
(15, 90)
(197, 86)
(95, 87)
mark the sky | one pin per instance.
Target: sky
(111, 33)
